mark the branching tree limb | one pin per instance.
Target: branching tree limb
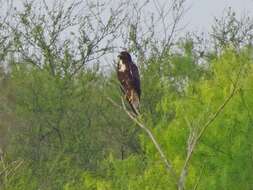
(194, 139)
(197, 138)
(64, 38)
(8, 169)
(136, 120)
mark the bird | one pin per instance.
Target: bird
(129, 78)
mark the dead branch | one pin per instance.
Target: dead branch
(136, 120)
(195, 139)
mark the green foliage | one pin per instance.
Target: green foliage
(57, 122)
(69, 140)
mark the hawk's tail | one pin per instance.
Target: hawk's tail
(135, 103)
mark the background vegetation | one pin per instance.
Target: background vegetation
(62, 122)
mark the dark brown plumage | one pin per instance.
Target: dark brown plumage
(128, 75)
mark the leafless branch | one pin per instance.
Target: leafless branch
(194, 138)
(138, 121)
(44, 35)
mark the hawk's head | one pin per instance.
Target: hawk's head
(124, 58)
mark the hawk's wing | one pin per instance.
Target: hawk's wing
(134, 73)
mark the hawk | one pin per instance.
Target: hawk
(128, 75)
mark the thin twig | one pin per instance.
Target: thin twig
(15, 168)
(199, 178)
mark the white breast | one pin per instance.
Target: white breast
(122, 66)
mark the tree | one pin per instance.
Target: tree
(61, 132)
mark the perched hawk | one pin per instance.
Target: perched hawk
(129, 78)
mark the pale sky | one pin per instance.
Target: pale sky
(200, 15)
(202, 12)
(199, 18)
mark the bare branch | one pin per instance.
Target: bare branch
(194, 138)
(166, 161)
